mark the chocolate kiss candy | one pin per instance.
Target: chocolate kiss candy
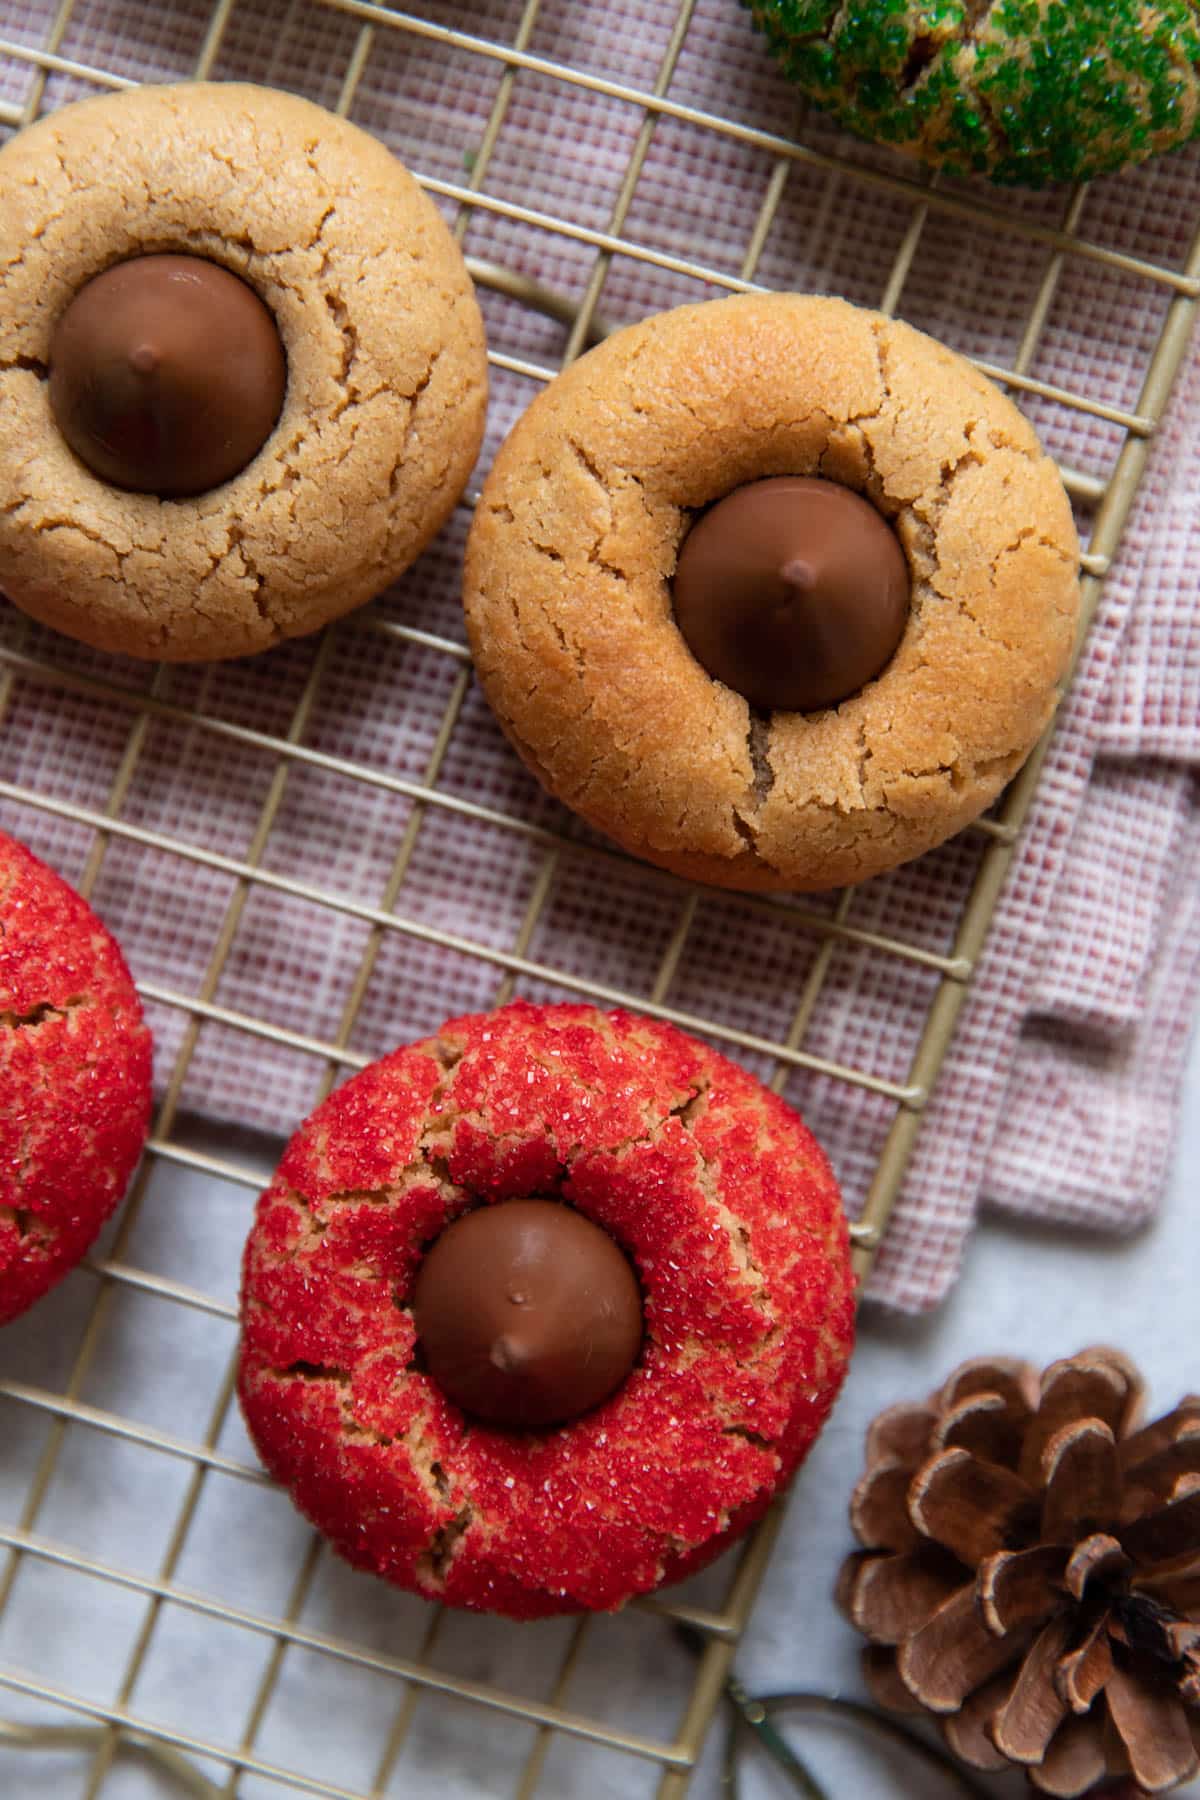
(528, 1314)
(166, 375)
(792, 591)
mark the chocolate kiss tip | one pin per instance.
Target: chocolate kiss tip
(799, 574)
(507, 1355)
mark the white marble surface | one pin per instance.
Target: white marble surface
(1040, 1294)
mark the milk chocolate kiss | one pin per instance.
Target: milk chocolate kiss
(527, 1313)
(792, 591)
(166, 375)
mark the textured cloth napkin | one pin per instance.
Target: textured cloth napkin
(1059, 1098)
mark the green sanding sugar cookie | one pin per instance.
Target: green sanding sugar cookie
(1025, 91)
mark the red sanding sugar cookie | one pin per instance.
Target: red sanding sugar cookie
(75, 1065)
(718, 1194)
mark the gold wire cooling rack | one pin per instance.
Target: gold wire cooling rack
(103, 1731)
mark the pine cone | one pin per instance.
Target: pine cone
(1032, 1571)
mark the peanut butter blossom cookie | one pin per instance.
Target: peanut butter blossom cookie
(775, 591)
(540, 1313)
(74, 1078)
(1025, 91)
(242, 370)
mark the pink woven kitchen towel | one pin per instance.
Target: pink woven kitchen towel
(1060, 1096)
(1065, 1083)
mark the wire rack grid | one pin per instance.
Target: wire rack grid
(347, 47)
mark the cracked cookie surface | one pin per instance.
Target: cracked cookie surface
(386, 370)
(1026, 91)
(574, 544)
(724, 1204)
(74, 1077)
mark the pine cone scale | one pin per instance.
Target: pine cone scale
(1085, 1671)
(884, 1683)
(987, 1425)
(1165, 1540)
(1151, 1439)
(1018, 1588)
(1099, 1384)
(1035, 1709)
(952, 1654)
(973, 1508)
(1144, 1624)
(1081, 1480)
(1074, 1762)
(1152, 1726)
(1098, 1558)
(968, 1731)
(879, 1508)
(900, 1434)
(1015, 1382)
(897, 1593)
(1160, 1474)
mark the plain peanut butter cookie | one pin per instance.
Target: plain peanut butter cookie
(1025, 91)
(540, 1313)
(242, 370)
(910, 708)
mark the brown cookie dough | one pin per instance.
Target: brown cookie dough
(386, 373)
(574, 545)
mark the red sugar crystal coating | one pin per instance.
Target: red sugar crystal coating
(75, 1066)
(714, 1188)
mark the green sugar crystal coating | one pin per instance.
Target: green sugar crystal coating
(1025, 91)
